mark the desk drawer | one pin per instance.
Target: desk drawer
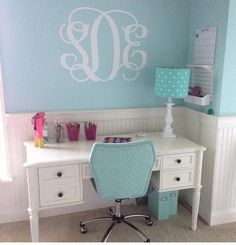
(57, 172)
(179, 161)
(59, 195)
(177, 179)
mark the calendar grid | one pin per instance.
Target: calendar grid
(205, 46)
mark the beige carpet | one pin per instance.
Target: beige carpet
(65, 228)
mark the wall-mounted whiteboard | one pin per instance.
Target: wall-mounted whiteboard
(205, 46)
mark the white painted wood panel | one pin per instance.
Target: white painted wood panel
(224, 181)
(218, 135)
(179, 161)
(56, 173)
(51, 195)
(202, 129)
(181, 178)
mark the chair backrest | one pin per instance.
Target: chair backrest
(122, 170)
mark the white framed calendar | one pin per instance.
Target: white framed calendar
(205, 46)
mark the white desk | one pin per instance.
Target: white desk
(55, 173)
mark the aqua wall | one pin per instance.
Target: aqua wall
(63, 55)
(207, 13)
(228, 89)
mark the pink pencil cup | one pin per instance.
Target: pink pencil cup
(73, 133)
(90, 133)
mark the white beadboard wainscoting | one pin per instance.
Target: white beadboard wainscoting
(202, 129)
(218, 134)
(224, 188)
(14, 199)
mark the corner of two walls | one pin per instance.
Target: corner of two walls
(218, 135)
(224, 184)
(202, 129)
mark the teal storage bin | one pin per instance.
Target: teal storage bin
(163, 204)
(173, 203)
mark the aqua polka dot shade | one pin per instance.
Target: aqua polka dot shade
(172, 82)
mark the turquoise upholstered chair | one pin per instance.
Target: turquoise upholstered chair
(121, 171)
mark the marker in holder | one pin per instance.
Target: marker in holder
(90, 130)
(73, 131)
(59, 131)
(38, 120)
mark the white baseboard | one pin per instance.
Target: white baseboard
(205, 214)
(227, 216)
(13, 216)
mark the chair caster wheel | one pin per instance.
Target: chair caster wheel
(149, 222)
(148, 240)
(83, 229)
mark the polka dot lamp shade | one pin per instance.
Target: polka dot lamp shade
(172, 82)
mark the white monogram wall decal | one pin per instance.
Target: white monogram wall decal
(128, 56)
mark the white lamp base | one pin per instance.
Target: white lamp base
(168, 131)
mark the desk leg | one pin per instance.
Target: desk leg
(195, 208)
(34, 225)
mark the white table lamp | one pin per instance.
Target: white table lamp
(171, 83)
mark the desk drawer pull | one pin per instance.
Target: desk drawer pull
(59, 174)
(177, 179)
(60, 194)
(47, 174)
(179, 161)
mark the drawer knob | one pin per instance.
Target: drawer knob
(178, 160)
(60, 194)
(59, 174)
(177, 179)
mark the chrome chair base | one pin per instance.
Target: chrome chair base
(117, 218)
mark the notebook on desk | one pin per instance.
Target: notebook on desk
(117, 139)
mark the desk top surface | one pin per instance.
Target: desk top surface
(79, 151)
